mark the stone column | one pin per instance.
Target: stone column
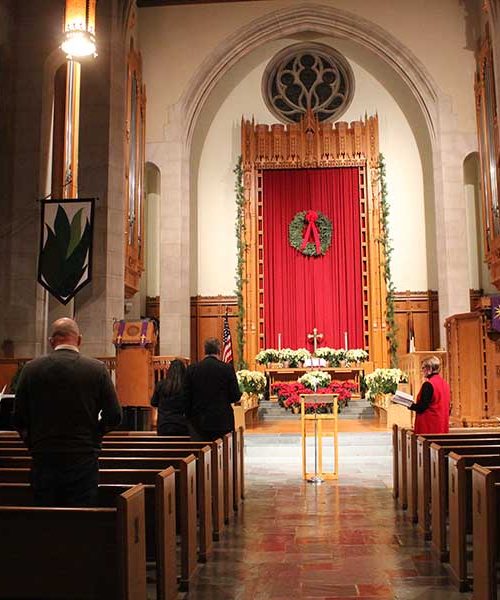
(451, 216)
(171, 157)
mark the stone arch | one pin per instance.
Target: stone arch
(433, 113)
(321, 20)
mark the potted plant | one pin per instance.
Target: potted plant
(252, 385)
(383, 381)
(286, 356)
(355, 356)
(313, 380)
(267, 356)
(300, 356)
(332, 356)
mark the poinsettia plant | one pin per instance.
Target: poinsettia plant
(267, 356)
(252, 382)
(383, 381)
(289, 394)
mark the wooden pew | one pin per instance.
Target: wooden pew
(217, 469)
(424, 471)
(185, 487)
(160, 518)
(238, 449)
(239, 466)
(439, 487)
(73, 553)
(460, 511)
(410, 445)
(203, 482)
(229, 450)
(395, 462)
(485, 509)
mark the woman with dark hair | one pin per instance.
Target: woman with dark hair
(168, 398)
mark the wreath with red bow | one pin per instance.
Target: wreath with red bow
(310, 232)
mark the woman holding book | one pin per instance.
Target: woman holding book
(432, 407)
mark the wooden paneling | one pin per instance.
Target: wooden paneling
(314, 144)
(489, 153)
(422, 310)
(474, 368)
(411, 364)
(207, 320)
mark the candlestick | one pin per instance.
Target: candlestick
(279, 341)
(345, 340)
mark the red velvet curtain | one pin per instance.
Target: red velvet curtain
(302, 292)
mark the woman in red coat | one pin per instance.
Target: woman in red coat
(433, 401)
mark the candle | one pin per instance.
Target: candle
(345, 340)
(279, 341)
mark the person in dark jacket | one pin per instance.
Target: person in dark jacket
(168, 398)
(210, 389)
(432, 407)
(64, 404)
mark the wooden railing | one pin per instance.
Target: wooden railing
(8, 369)
(10, 366)
(161, 365)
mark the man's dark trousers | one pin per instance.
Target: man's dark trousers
(65, 480)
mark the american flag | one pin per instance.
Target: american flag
(227, 344)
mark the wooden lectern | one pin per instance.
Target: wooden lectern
(134, 342)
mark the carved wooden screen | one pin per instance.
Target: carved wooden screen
(134, 188)
(487, 126)
(311, 144)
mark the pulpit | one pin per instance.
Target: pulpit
(474, 369)
(135, 342)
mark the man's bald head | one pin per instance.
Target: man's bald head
(65, 331)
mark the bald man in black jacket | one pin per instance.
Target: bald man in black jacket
(64, 404)
(210, 388)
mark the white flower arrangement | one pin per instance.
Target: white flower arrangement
(286, 355)
(332, 355)
(315, 379)
(355, 356)
(252, 382)
(302, 354)
(268, 355)
(294, 357)
(383, 381)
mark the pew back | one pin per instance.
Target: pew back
(58, 557)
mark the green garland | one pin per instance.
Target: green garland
(296, 232)
(240, 266)
(387, 250)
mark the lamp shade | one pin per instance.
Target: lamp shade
(79, 28)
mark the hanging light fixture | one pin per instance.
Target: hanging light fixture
(79, 28)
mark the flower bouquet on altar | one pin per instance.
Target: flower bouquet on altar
(286, 357)
(355, 356)
(331, 355)
(268, 356)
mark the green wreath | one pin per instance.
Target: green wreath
(310, 231)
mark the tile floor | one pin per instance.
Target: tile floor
(340, 540)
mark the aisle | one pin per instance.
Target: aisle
(339, 540)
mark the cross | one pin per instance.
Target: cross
(315, 337)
